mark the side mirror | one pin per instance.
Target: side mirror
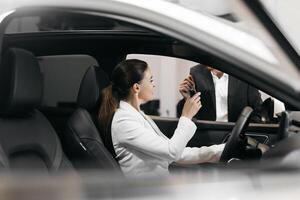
(267, 111)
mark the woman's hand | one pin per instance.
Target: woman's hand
(191, 106)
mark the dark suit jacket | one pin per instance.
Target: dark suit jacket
(240, 94)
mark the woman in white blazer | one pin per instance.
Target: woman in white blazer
(140, 147)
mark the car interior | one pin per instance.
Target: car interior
(66, 135)
(27, 137)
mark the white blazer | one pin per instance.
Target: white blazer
(142, 149)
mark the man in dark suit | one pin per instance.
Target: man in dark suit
(239, 95)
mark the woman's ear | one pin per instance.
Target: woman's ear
(136, 88)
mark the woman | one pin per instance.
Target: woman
(140, 147)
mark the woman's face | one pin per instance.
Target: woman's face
(147, 86)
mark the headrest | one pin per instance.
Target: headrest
(93, 82)
(20, 83)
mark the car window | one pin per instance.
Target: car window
(62, 75)
(169, 72)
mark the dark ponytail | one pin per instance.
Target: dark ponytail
(124, 76)
(108, 107)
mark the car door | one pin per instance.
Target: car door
(255, 68)
(211, 132)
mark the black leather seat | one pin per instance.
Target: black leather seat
(82, 140)
(27, 138)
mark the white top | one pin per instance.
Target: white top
(142, 149)
(221, 93)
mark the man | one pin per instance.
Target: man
(223, 97)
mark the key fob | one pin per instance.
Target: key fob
(192, 92)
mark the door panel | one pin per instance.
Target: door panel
(209, 132)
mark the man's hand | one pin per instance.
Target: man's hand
(186, 85)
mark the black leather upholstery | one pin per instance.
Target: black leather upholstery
(20, 83)
(27, 138)
(86, 148)
(94, 80)
(4, 164)
(82, 139)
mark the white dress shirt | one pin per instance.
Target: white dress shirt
(142, 149)
(221, 93)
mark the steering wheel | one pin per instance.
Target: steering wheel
(233, 146)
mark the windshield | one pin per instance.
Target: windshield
(220, 8)
(285, 14)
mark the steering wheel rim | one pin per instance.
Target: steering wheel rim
(231, 148)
